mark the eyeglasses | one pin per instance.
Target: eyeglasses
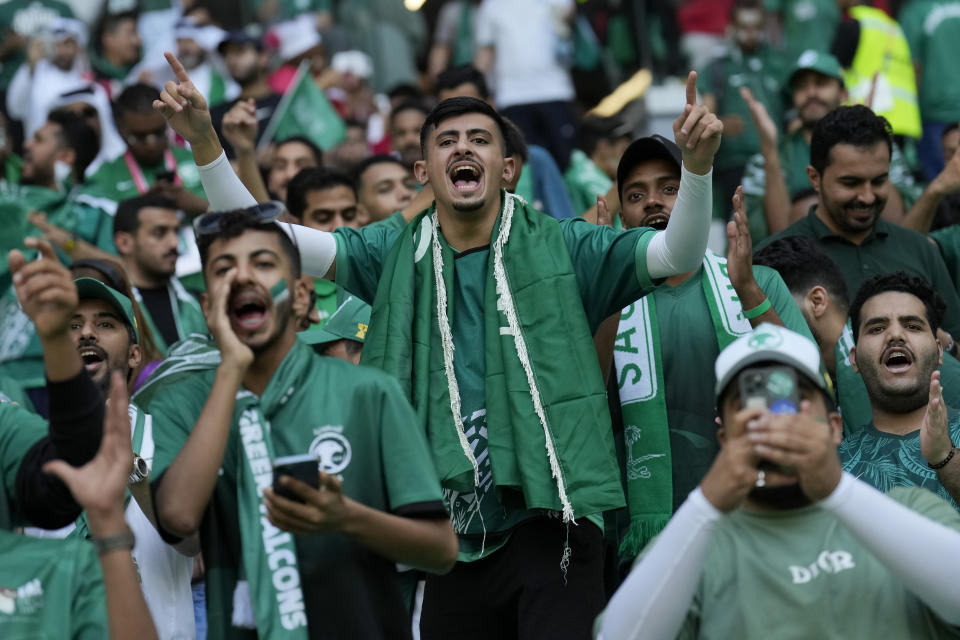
(215, 221)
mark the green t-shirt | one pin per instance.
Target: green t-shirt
(807, 24)
(113, 181)
(805, 575)
(687, 341)
(761, 72)
(27, 18)
(889, 248)
(887, 460)
(584, 180)
(19, 431)
(607, 265)
(50, 588)
(359, 425)
(932, 28)
(948, 239)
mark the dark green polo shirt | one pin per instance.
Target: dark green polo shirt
(888, 248)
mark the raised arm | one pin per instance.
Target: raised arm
(187, 112)
(776, 196)
(680, 247)
(756, 306)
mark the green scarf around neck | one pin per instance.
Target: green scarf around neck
(548, 425)
(639, 371)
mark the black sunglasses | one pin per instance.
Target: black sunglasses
(215, 221)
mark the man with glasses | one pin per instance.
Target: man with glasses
(150, 163)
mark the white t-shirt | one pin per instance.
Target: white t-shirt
(523, 34)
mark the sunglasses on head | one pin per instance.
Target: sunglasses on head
(215, 221)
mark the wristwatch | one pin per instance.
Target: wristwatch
(140, 470)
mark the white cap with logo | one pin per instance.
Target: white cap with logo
(769, 343)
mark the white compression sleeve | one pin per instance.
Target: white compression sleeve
(225, 191)
(921, 552)
(653, 601)
(680, 247)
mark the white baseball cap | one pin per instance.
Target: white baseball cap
(769, 343)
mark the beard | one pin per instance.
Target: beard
(283, 315)
(155, 269)
(905, 399)
(103, 383)
(469, 206)
(787, 497)
(842, 213)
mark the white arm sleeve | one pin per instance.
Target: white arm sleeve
(680, 247)
(921, 552)
(653, 601)
(225, 191)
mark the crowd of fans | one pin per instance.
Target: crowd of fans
(382, 319)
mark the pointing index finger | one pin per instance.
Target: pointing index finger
(692, 88)
(178, 69)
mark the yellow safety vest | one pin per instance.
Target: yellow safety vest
(883, 50)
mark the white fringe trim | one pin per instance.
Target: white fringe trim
(506, 297)
(446, 339)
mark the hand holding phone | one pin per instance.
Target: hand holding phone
(304, 467)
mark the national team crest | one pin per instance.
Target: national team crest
(331, 449)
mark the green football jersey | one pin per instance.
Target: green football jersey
(19, 431)
(50, 589)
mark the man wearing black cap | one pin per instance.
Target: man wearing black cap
(246, 62)
(663, 339)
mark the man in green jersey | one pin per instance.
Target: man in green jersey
(55, 159)
(145, 234)
(668, 428)
(910, 441)
(747, 62)
(779, 537)
(521, 438)
(804, 24)
(593, 163)
(850, 171)
(317, 560)
(149, 163)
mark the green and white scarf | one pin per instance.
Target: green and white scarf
(269, 554)
(639, 371)
(549, 427)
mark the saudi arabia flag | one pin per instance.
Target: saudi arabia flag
(304, 111)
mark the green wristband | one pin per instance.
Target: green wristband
(758, 310)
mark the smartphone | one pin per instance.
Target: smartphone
(773, 388)
(167, 176)
(304, 467)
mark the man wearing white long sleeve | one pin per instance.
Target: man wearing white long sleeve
(779, 542)
(498, 359)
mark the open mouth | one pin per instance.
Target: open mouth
(897, 359)
(248, 310)
(93, 357)
(657, 221)
(465, 176)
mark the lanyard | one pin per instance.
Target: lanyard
(169, 163)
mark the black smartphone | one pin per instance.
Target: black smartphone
(167, 176)
(304, 467)
(773, 388)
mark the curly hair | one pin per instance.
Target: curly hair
(856, 125)
(899, 282)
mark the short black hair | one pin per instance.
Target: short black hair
(593, 130)
(314, 179)
(453, 77)
(307, 142)
(406, 92)
(408, 105)
(127, 217)
(516, 142)
(369, 161)
(453, 107)
(108, 22)
(76, 134)
(352, 347)
(899, 282)
(238, 222)
(803, 266)
(856, 125)
(950, 128)
(137, 98)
